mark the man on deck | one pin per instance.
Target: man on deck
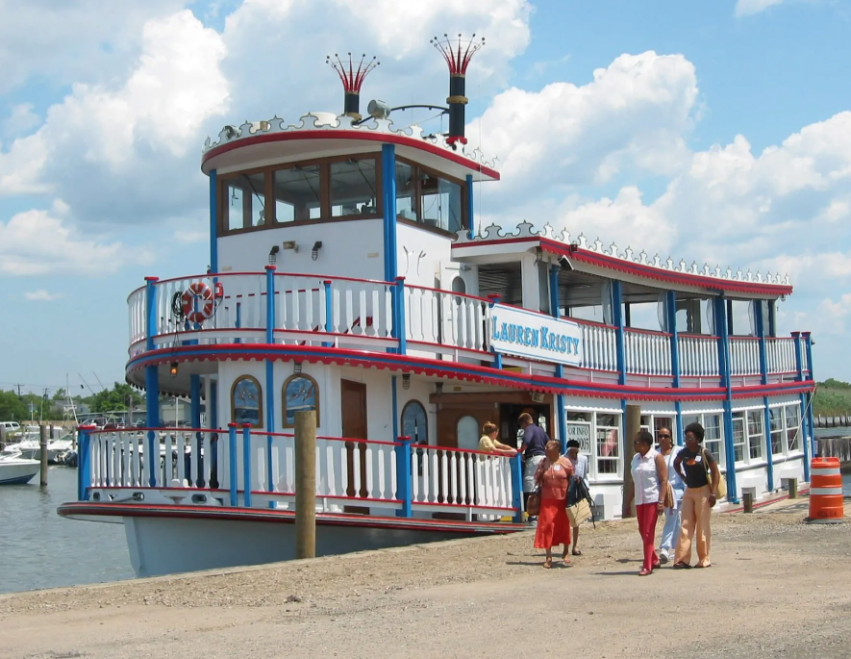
(534, 441)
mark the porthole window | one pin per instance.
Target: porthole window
(246, 398)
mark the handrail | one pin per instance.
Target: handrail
(453, 293)
(639, 330)
(592, 323)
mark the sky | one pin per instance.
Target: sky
(716, 131)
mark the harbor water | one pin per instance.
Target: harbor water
(39, 549)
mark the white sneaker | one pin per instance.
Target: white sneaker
(663, 558)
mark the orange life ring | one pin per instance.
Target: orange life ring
(199, 303)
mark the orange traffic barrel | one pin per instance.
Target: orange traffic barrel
(825, 490)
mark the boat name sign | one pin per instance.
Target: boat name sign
(527, 334)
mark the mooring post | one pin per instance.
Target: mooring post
(42, 448)
(2, 438)
(633, 425)
(305, 484)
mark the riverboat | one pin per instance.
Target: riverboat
(346, 276)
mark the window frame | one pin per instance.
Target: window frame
(798, 429)
(294, 376)
(411, 402)
(268, 171)
(418, 196)
(251, 378)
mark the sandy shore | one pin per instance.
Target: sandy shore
(778, 587)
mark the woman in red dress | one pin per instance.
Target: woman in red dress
(553, 477)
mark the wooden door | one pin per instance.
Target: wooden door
(353, 414)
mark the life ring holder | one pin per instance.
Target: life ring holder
(198, 302)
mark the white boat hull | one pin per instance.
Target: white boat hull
(160, 546)
(17, 471)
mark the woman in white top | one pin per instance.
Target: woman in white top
(580, 472)
(650, 478)
(671, 530)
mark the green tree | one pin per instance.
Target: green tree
(116, 399)
(12, 408)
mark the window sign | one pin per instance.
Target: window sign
(528, 334)
(581, 432)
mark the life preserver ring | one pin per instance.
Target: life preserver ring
(199, 304)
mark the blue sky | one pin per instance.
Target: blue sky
(717, 131)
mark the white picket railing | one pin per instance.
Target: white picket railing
(647, 353)
(446, 318)
(460, 478)
(363, 308)
(744, 355)
(348, 472)
(780, 354)
(599, 344)
(698, 355)
(137, 310)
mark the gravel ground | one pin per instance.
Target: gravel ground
(777, 588)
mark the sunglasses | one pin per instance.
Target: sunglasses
(666, 436)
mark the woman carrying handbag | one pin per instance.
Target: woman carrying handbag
(650, 481)
(552, 477)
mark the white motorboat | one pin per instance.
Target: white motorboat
(15, 470)
(31, 450)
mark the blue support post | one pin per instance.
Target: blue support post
(246, 465)
(721, 326)
(555, 304)
(769, 453)
(388, 196)
(270, 376)
(497, 356)
(807, 410)
(234, 489)
(806, 430)
(214, 223)
(195, 421)
(238, 321)
(808, 350)
(617, 318)
(671, 322)
(399, 325)
(395, 405)
(761, 323)
(470, 223)
(517, 487)
(772, 318)
(404, 489)
(329, 312)
(84, 463)
(213, 420)
(150, 311)
(678, 422)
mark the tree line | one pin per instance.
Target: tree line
(14, 407)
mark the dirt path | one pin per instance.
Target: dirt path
(778, 587)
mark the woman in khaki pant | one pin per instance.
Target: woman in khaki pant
(692, 464)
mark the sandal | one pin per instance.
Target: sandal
(548, 563)
(682, 565)
(565, 559)
(702, 566)
(644, 572)
(576, 552)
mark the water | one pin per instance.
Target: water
(40, 549)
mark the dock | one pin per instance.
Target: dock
(471, 598)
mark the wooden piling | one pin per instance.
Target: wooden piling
(2, 438)
(633, 425)
(42, 449)
(747, 502)
(305, 484)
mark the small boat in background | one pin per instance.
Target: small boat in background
(16, 470)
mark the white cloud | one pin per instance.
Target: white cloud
(634, 114)
(833, 314)
(72, 41)
(42, 295)
(749, 7)
(39, 242)
(102, 140)
(188, 236)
